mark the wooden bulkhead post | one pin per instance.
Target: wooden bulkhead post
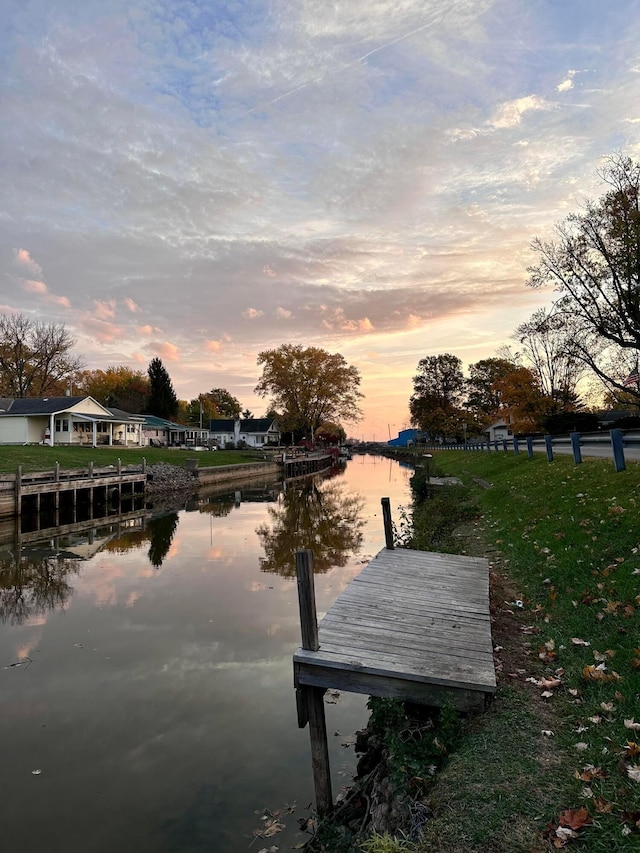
(388, 524)
(310, 700)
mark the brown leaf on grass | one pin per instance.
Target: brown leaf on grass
(575, 818)
(631, 724)
(597, 673)
(589, 773)
(631, 749)
(632, 817)
(549, 683)
(578, 642)
(562, 835)
(602, 806)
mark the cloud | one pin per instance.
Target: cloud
(213, 346)
(166, 350)
(510, 113)
(252, 314)
(283, 313)
(567, 84)
(35, 286)
(131, 305)
(24, 259)
(105, 310)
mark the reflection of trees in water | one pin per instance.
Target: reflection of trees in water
(312, 514)
(31, 586)
(161, 532)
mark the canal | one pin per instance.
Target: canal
(146, 695)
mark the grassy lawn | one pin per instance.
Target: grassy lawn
(43, 458)
(556, 760)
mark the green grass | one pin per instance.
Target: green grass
(568, 538)
(43, 458)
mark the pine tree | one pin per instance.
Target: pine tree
(163, 401)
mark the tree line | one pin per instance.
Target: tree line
(311, 391)
(591, 330)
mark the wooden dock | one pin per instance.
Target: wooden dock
(413, 625)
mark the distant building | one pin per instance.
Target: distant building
(499, 430)
(159, 432)
(407, 437)
(252, 432)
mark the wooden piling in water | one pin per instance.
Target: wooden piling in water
(388, 523)
(310, 700)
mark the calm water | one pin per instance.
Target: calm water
(154, 688)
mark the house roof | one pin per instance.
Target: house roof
(154, 422)
(39, 405)
(248, 425)
(120, 414)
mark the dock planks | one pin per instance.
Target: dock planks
(414, 625)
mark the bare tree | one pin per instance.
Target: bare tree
(551, 344)
(35, 357)
(595, 263)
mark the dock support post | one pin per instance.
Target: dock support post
(388, 524)
(18, 490)
(310, 700)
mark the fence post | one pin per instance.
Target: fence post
(516, 446)
(495, 444)
(618, 449)
(549, 445)
(530, 447)
(575, 446)
(504, 445)
(388, 524)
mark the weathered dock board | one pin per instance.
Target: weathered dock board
(413, 625)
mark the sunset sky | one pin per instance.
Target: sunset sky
(204, 179)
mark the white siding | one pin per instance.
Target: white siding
(13, 430)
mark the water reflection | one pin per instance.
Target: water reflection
(31, 586)
(161, 531)
(315, 514)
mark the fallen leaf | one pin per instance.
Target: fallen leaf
(602, 806)
(581, 746)
(633, 772)
(578, 642)
(575, 818)
(631, 724)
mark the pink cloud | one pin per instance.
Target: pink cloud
(252, 313)
(213, 346)
(105, 310)
(32, 286)
(168, 351)
(60, 300)
(144, 330)
(284, 313)
(266, 269)
(104, 332)
(139, 358)
(131, 305)
(24, 259)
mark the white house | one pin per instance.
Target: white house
(66, 421)
(159, 432)
(499, 431)
(253, 432)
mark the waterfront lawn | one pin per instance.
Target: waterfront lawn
(556, 759)
(42, 457)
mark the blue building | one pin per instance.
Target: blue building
(407, 437)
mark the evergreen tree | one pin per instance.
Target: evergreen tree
(163, 401)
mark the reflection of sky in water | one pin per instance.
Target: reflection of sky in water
(160, 704)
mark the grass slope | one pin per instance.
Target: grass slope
(556, 761)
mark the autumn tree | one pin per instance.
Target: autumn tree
(483, 394)
(438, 390)
(162, 401)
(224, 403)
(35, 357)
(118, 386)
(309, 386)
(200, 411)
(522, 402)
(594, 263)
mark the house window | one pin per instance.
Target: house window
(62, 425)
(131, 428)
